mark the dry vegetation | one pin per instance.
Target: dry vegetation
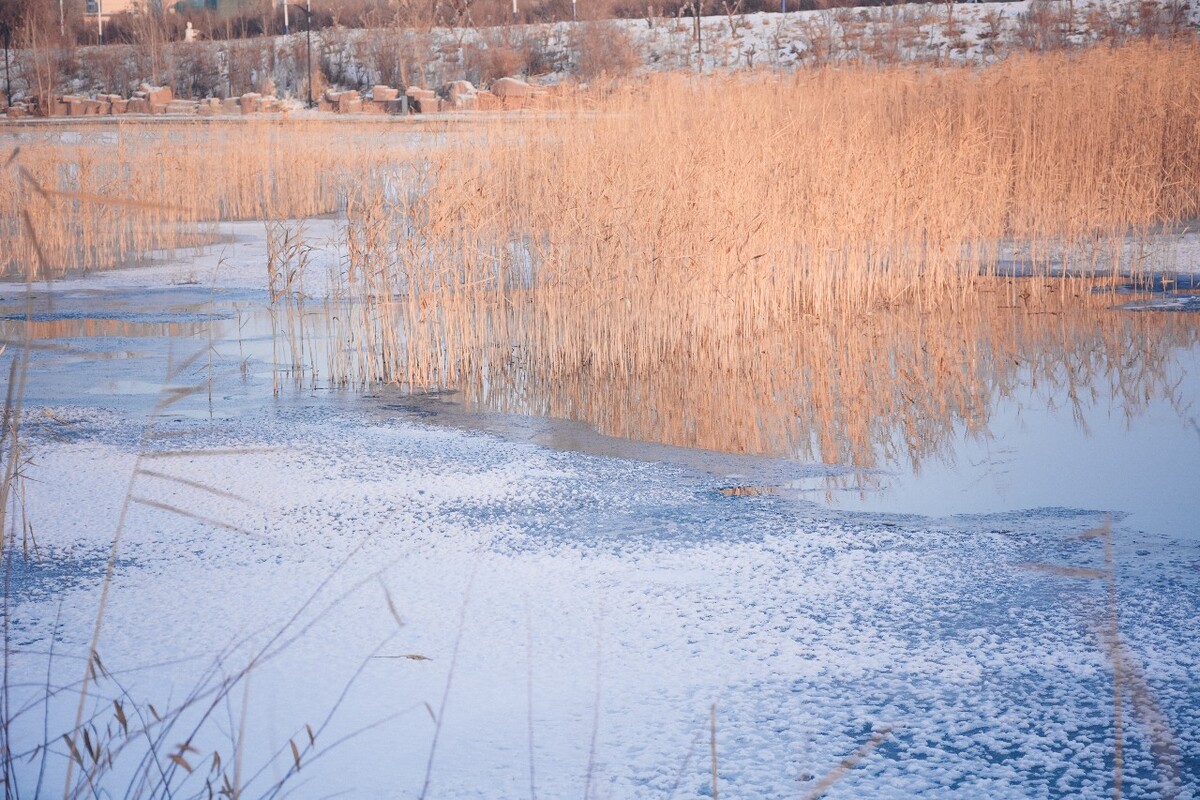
(743, 264)
(801, 265)
(897, 385)
(117, 192)
(708, 260)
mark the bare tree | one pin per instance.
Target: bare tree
(696, 9)
(733, 10)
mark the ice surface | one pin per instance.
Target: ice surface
(577, 609)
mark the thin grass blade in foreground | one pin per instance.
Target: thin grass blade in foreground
(1128, 682)
(848, 763)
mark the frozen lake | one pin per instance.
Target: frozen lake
(467, 603)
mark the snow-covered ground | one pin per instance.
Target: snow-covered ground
(928, 33)
(488, 615)
(936, 33)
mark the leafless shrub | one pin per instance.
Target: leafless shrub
(989, 36)
(1040, 28)
(113, 69)
(1161, 18)
(245, 67)
(544, 56)
(820, 34)
(603, 49)
(330, 57)
(194, 70)
(499, 53)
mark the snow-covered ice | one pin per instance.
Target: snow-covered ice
(486, 616)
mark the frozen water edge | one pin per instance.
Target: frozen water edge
(596, 606)
(568, 583)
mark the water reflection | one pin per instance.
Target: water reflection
(901, 385)
(95, 328)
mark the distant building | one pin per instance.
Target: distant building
(110, 7)
(220, 6)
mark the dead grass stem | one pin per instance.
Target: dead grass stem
(699, 228)
(115, 193)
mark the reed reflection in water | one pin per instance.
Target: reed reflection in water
(15, 329)
(899, 385)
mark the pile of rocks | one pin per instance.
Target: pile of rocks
(423, 101)
(147, 100)
(249, 103)
(380, 100)
(504, 94)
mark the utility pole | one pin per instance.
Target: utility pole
(514, 12)
(100, 21)
(307, 9)
(574, 15)
(7, 32)
(308, 25)
(285, 19)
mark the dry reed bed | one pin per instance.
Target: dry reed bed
(105, 195)
(900, 384)
(708, 226)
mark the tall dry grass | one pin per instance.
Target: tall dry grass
(900, 384)
(706, 247)
(104, 195)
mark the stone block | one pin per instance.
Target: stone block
(427, 105)
(349, 102)
(459, 93)
(138, 105)
(510, 87)
(161, 95)
(381, 94)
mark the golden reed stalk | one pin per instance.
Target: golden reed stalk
(108, 194)
(703, 231)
